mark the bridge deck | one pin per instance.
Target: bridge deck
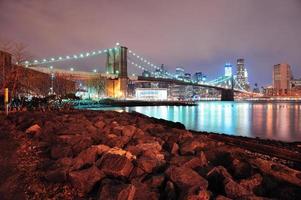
(178, 82)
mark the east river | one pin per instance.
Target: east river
(279, 121)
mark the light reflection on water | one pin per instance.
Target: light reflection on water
(280, 121)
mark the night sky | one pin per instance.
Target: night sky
(200, 35)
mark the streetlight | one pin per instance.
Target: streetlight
(52, 78)
(72, 69)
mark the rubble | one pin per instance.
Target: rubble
(110, 155)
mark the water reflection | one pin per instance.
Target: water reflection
(280, 121)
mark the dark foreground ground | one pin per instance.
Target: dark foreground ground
(110, 155)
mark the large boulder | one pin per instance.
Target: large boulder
(143, 191)
(57, 152)
(127, 130)
(252, 183)
(174, 149)
(100, 124)
(240, 169)
(121, 152)
(216, 179)
(149, 164)
(169, 191)
(56, 175)
(134, 150)
(279, 171)
(153, 146)
(117, 191)
(84, 180)
(88, 156)
(234, 190)
(186, 179)
(190, 146)
(154, 155)
(201, 195)
(197, 161)
(221, 197)
(115, 165)
(151, 150)
(69, 140)
(155, 181)
(83, 144)
(34, 130)
(116, 141)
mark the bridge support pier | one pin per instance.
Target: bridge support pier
(117, 67)
(116, 87)
(227, 95)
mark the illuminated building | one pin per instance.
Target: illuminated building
(228, 69)
(187, 76)
(161, 72)
(151, 93)
(295, 87)
(242, 74)
(180, 72)
(282, 75)
(146, 73)
(199, 77)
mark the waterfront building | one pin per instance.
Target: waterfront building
(187, 76)
(151, 93)
(228, 69)
(295, 86)
(34, 81)
(199, 77)
(161, 72)
(5, 65)
(242, 74)
(180, 72)
(146, 73)
(282, 76)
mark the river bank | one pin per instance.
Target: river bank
(128, 103)
(112, 155)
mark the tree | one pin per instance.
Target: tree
(14, 75)
(97, 85)
(6, 45)
(63, 84)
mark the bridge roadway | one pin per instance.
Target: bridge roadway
(178, 82)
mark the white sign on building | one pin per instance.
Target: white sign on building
(151, 93)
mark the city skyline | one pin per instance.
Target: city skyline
(203, 39)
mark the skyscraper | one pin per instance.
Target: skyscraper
(199, 77)
(282, 76)
(180, 72)
(228, 69)
(242, 74)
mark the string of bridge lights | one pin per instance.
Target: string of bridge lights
(138, 66)
(69, 57)
(65, 58)
(141, 67)
(147, 62)
(135, 55)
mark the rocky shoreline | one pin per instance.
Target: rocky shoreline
(111, 155)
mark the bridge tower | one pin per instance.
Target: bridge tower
(117, 75)
(228, 94)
